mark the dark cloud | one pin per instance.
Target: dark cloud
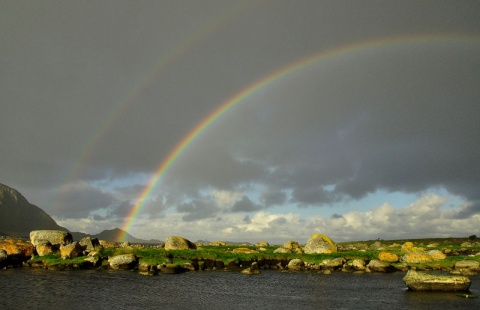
(95, 98)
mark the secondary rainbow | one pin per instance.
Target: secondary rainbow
(263, 82)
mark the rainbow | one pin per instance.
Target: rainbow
(230, 103)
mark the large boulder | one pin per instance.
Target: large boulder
(421, 281)
(178, 243)
(55, 237)
(71, 250)
(124, 261)
(319, 243)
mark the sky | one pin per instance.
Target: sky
(245, 120)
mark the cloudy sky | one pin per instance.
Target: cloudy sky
(359, 119)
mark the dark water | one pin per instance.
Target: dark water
(44, 289)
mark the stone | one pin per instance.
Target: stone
(17, 247)
(107, 244)
(388, 257)
(123, 261)
(358, 265)
(178, 243)
(244, 251)
(89, 244)
(55, 237)
(437, 255)
(44, 247)
(296, 264)
(407, 246)
(262, 243)
(218, 243)
(421, 281)
(282, 250)
(318, 244)
(467, 267)
(71, 250)
(333, 263)
(416, 258)
(94, 260)
(376, 265)
(291, 245)
(3, 256)
(252, 270)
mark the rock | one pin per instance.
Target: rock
(333, 263)
(125, 244)
(416, 258)
(244, 250)
(318, 244)
(218, 243)
(107, 244)
(17, 247)
(262, 243)
(124, 261)
(55, 237)
(467, 267)
(44, 247)
(291, 245)
(3, 258)
(71, 250)
(178, 243)
(94, 260)
(376, 265)
(296, 264)
(146, 269)
(437, 255)
(89, 244)
(388, 257)
(253, 269)
(407, 246)
(421, 281)
(358, 265)
(282, 250)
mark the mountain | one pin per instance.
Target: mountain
(18, 217)
(112, 235)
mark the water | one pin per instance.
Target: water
(46, 289)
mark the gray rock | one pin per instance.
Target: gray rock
(71, 250)
(467, 267)
(178, 243)
(335, 263)
(421, 281)
(124, 261)
(89, 244)
(55, 237)
(319, 243)
(296, 264)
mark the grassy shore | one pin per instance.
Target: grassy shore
(234, 257)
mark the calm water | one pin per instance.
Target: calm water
(44, 289)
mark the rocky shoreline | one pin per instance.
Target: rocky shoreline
(55, 250)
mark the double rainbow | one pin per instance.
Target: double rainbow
(267, 80)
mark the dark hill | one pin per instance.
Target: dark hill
(18, 217)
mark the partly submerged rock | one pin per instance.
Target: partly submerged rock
(253, 269)
(421, 281)
(296, 264)
(376, 265)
